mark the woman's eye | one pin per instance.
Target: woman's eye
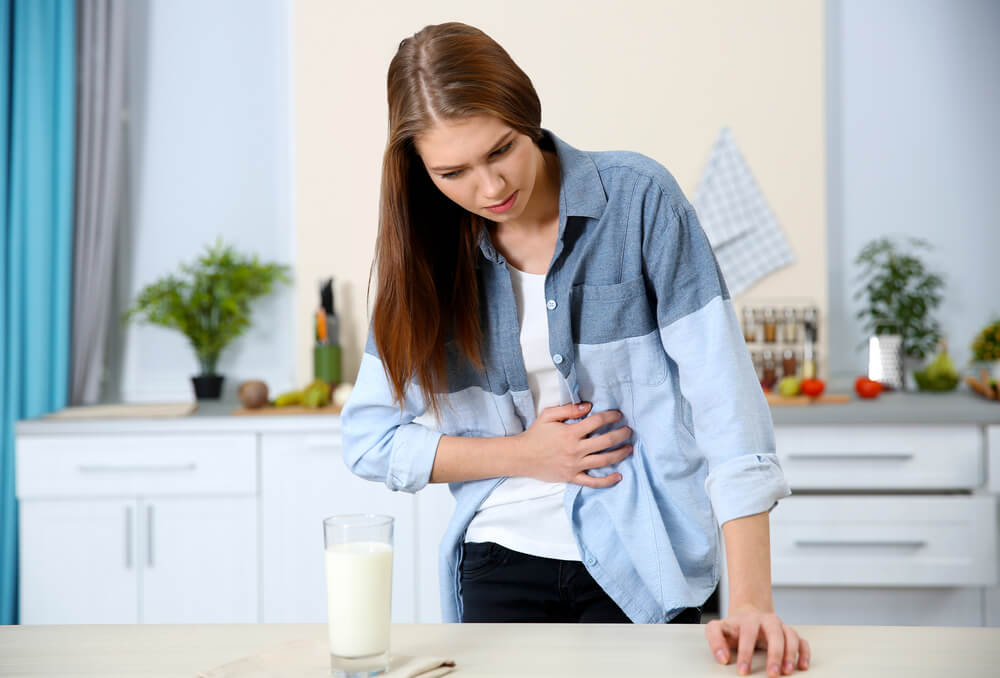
(500, 151)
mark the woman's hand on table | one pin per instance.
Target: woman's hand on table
(748, 628)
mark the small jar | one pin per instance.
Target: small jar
(770, 326)
(789, 365)
(810, 318)
(758, 364)
(749, 326)
(769, 374)
(790, 326)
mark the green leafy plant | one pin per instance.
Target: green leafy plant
(899, 294)
(209, 301)
(986, 345)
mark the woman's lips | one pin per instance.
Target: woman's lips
(505, 205)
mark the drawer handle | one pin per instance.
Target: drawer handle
(149, 535)
(322, 443)
(914, 544)
(128, 537)
(888, 456)
(165, 468)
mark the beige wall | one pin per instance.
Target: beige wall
(652, 76)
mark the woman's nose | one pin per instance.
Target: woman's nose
(493, 186)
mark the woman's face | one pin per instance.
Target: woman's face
(479, 162)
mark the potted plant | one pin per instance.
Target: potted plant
(986, 349)
(209, 303)
(899, 295)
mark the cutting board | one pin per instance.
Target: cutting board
(287, 411)
(825, 399)
(125, 410)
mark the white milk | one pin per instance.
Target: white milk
(359, 598)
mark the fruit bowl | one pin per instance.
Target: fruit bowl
(935, 383)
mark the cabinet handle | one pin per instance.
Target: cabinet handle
(896, 456)
(322, 443)
(149, 535)
(128, 537)
(105, 468)
(913, 544)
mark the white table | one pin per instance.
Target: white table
(509, 650)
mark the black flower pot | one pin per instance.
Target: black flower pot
(207, 387)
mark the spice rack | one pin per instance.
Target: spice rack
(783, 340)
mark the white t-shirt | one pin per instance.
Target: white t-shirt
(525, 514)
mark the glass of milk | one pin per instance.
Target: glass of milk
(359, 593)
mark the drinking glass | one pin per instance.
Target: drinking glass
(359, 593)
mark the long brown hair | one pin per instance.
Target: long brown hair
(425, 256)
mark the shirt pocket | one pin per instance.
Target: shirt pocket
(618, 339)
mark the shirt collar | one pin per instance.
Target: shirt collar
(581, 192)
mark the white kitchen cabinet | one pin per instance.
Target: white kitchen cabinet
(304, 480)
(78, 562)
(888, 525)
(131, 528)
(198, 560)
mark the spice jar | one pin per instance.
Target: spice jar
(790, 328)
(749, 326)
(758, 364)
(770, 374)
(770, 326)
(789, 366)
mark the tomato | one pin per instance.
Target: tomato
(812, 387)
(867, 388)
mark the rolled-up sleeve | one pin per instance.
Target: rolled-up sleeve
(700, 332)
(381, 442)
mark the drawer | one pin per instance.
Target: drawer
(884, 541)
(881, 457)
(161, 464)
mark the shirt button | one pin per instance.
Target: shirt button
(557, 359)
(551, 304)
(591, 560)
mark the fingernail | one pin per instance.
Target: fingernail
(788, 667)
(721, 654)
(773, 669)
(581, 406)
(744, 669)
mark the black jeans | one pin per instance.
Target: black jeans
(501, 585)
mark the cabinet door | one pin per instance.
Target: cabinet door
(304, 480)
(78, 561)
(434, 508)
(198, 559)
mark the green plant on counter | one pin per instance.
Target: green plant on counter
(986, 345)
(899, 294)
(209, 302)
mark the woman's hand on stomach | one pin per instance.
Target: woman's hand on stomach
(555, 451)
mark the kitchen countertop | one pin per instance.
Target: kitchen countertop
(958, 407)
(506, 650)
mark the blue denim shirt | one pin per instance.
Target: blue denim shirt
(640, 321)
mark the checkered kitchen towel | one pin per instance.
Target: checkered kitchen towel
(747, 240)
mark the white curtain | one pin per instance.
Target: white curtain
(100, 135)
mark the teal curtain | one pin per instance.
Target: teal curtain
(37, 117)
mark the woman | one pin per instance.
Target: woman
(562, 315)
